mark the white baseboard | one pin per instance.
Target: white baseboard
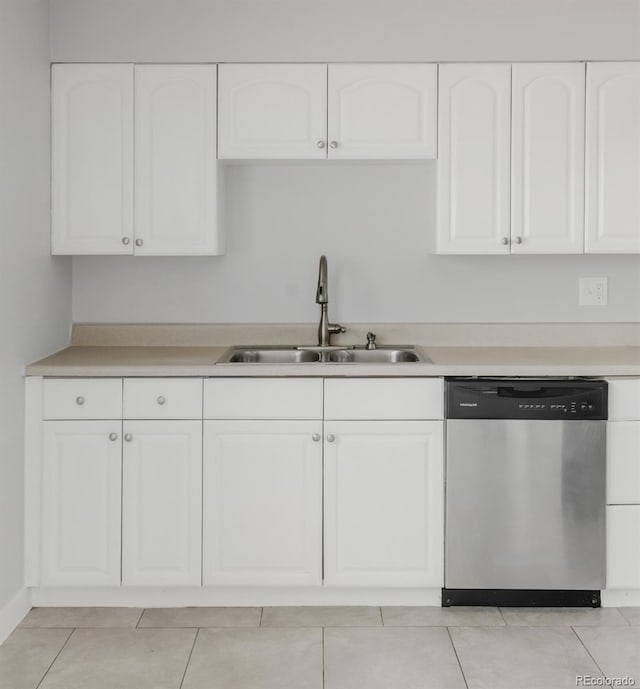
(614, 598)
(12, 613)
(149, 597)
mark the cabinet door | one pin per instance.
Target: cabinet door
(382, 111)
(383, 503)
(81, 483)
(92, 159)
(547, 171)
(162, 503)
(623, 463)
(272, 111)
(623, 547)
(175, 160)
(262, 502)
(613, 157)
(474, 129)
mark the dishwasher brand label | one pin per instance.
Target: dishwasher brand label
(468, 404)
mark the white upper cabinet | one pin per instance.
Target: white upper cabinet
(613, 158)
(92, 159)
(382, 111)
(175, 160)
(169, 175)
(272, 111)
(474, 116)
(547, 173)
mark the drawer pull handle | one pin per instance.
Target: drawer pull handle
(113, 436)
(161, 400)
(331, 438)
(80, 400)
(128, 437)
(315, 437)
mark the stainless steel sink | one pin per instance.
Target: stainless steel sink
(268, 355)
(380, 355)
(278, 354)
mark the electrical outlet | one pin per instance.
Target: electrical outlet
(593, 291)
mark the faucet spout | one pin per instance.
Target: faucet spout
(322, 296)
(325, 328)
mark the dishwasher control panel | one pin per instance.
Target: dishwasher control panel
(526, 398)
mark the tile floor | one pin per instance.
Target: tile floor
(321, 648)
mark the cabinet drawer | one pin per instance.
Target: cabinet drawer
(624, 399)
(623, 547)
(163, 398)
(263, 398)
(623, 462)
(384, 398)
(82, 398)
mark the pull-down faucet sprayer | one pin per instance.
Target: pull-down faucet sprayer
(325, 329)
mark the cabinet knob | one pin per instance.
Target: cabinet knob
(80, 400)
(161, 400)
(505, 240)
(139, 242)
(518, 240)
(125, 240)
(320, 144)
(113, 436)
(333, 144)
(331, 438)
(128, 437)
(315, 437)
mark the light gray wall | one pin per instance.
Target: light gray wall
(374, 221)
(35, 290)
(344, 30)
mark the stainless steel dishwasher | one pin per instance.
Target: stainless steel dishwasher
(525, 492)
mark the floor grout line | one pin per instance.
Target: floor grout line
(626, 619)
(186, 667)
(140, 618)
(261, 614)
(56, 658)
(455, 650)
(573, 629)
(381, 616)
(504, 619)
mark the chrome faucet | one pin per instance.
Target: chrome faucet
(325, 329)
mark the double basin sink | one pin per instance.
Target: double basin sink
(305, 355)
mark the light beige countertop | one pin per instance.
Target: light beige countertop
(160, 361)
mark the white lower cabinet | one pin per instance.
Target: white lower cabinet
(623, 485)
(162, 503)
(623, 547)
(263, 502)
(81, 484)
(383, 503)
(348, 494)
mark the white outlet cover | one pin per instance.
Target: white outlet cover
(594, 291)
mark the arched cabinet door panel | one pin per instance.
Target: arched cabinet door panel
(382, 111)
(474, 116)
(175, 160)
(613, 157)
(92, 159)
(272, 111)
(547, 170)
